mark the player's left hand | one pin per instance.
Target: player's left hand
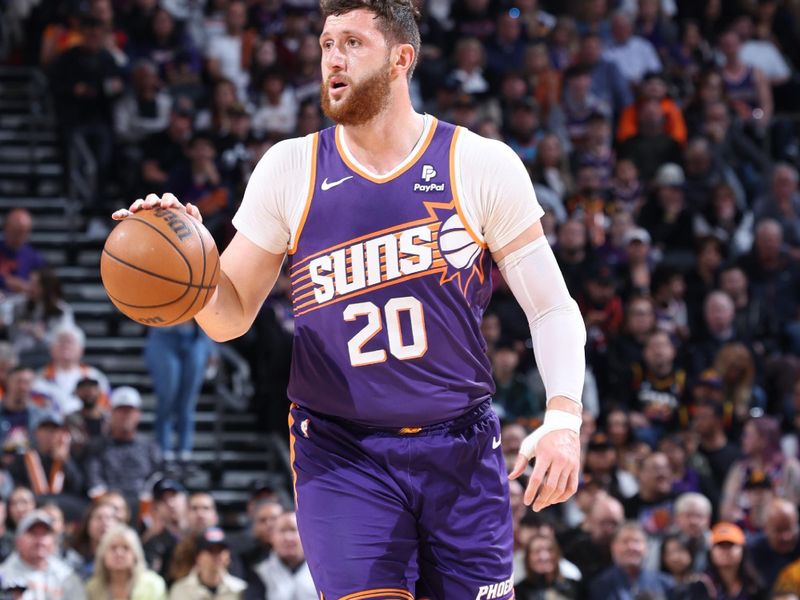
(555, 472)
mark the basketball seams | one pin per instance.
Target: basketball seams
(191, 278)
(152, 274)
(169, 241)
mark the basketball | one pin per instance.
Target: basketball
(159, 267)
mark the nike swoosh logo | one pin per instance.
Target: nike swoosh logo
(496, 442)
(325, 186)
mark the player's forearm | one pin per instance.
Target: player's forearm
(224, 317)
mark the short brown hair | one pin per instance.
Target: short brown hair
(397, 19)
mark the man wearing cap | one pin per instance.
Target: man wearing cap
(34, 565)
(169, 523)
(91, 421)
(122, 460)
(48, 469)
(209, 579)
(602, 464)
(285, 573)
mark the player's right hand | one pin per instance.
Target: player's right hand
(152, 201)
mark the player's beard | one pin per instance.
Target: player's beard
(365, 99)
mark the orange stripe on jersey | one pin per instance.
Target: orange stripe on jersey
(454, 187)
(379, 593)
(310, 195)
(411, 162)
(291, 454)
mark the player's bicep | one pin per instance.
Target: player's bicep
(251, 271)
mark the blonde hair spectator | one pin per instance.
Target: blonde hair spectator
(120, 569)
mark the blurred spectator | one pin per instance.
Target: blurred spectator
(122, 460)
(571, 254)
(19, 411)
(747, 88)
(8, 360)
(470, 59)
(563, 43)
(708, 421)
(716, 331)
(277, 107)
(692, 518)
(596, 150)
(602, 465)
(761, 54)
(202, 512)
(541, 78)
(18, 258)
(628, 550)
(216, 117)
(144, 110)
(551, 167)
(62, 551)
(761, 452)
(729, 568)
(652, 505)
(228, 55)
(579, 104)
(737, 369)
(514, 398)
(285, 573)
(639, 260)
(209, 578)
(672, 313)
(48, 469)
(120, 570)
(99, 518)
(90, 423)
(31, 319)
(58, 379)
(676, 561)
(704, 172)
(656, 388)
(779, 544)
(306, 74)
(650, 148)
(258, 546)
(86, 80)
(169, 522)
(782, 204)
(589, 545)
(653, 87)
(666, 215)
(633, 55)
(199, 181)
(176, 358)
(725, 221)
(33, 565)
(608, 82)
(6, 536)
(21, 501)
(167, 47)
(544, 576)
(506, 50)
(164, 151)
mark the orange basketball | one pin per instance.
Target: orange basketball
(160, 266)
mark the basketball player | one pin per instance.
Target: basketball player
(391, 221)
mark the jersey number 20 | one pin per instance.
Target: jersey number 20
(401, 349)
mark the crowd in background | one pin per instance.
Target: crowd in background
(661, 139)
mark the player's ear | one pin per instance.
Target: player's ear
(402, 58)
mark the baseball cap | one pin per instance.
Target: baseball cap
(710, 378)
(599, 441)
(758, 480)
(727, 532)
(86, 380)
(165, 485)
(637, 234)
(49, 417)
(33, 518)
(602, 274)
(125, 396)
(213, 537)
(670, 175)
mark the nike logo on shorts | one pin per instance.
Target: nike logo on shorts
(325, 186)
(496, 442)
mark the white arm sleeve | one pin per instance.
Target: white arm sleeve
(276, 195)
(557, 329)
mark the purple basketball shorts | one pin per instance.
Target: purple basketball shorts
(404, 514)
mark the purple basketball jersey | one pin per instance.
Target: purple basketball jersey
(389, 286)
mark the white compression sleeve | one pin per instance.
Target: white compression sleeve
(557, 329)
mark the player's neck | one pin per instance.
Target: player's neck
(386, 140)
